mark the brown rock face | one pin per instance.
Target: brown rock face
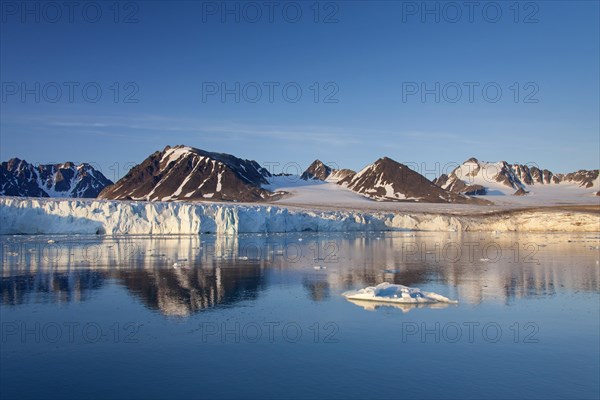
(186, 173)
(584, 177)
(520, 192)
(319, 171)
(316, 170)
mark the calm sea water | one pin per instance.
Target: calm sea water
(262, 316)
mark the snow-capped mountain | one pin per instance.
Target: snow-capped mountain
(474, 177)
(187, 173)
(20, 178)
(319, 171)
(389, 180)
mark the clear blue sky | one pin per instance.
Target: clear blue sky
(372, 56)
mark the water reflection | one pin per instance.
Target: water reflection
(44, 287)
(182, 275)
(370, 305)
(184, 291)
(318, 289)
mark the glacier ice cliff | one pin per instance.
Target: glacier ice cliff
(77, 216)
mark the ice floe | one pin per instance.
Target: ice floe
(397, 294)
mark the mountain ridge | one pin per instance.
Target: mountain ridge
(187, 173)
(23, 179)
(480, 177)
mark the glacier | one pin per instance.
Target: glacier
(113, 217)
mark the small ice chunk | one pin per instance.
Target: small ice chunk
(390, 293)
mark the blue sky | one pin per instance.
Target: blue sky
(370, 60)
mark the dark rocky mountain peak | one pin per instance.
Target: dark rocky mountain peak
(389, 180)
(316, 170)
(187, 173)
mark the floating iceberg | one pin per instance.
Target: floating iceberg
(398, 294)
(372, 305)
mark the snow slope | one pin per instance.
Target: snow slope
(328, 194)
(57, 216)
(314, 192)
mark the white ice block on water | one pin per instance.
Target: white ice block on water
(390, 293)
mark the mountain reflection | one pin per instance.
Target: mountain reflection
(318, 289)
(60, 287)
(183, 275)
(184, 291)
